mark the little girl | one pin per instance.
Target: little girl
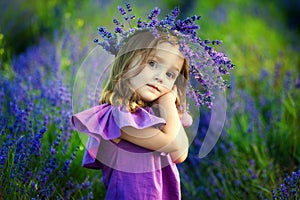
(136, 133)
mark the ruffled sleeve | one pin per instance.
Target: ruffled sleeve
(105, 121)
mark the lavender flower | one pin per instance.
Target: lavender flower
(128, 6)
(287, 81)
(154, 13)
(175, 12)
(297, 85)
(290, 189)
(116, 22)
(121, 10)
(118, 30)
(29, 167)
(277, 73)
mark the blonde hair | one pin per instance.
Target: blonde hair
(117, 90)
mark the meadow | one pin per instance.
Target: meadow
(257, 155)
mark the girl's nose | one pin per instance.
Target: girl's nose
(159, 74)
(158, 78)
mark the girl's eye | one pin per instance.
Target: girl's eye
(152, 63)
(171, 75)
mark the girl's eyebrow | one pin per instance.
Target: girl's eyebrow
(160, 59)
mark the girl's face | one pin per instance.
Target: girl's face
(158, 76)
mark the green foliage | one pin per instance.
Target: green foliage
(252, 33)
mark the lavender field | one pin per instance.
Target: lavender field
(258, 153)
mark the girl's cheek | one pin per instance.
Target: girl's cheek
(169, 88)
(168, 85)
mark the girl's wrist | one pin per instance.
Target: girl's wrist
(166, 101)
(168, 109)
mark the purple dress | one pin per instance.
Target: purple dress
(129, 171)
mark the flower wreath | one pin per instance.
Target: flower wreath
(206, 65)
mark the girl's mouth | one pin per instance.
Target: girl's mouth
(154, 87)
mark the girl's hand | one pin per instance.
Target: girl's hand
(169, 97)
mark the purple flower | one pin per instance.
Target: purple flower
(297, 85)
(26, 117)
(288, 188)
(128, 6)
(116, 21)
(252, 174)
(175, 12)
(287, 81)
(118, 30)
(153, 23)
(263, 74)
(208, 193)
(86, 184)
(154, 13)
(277, 73)
(195, 17)
(141, 24)
(104, 33)
(121, 10)
(219, 193)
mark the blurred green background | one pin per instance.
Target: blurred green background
(257, 34)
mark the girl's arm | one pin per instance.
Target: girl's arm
(170, 139)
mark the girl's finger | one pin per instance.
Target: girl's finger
(175, 93)
(174, 90)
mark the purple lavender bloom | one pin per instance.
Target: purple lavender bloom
(103, 32)
(121, 10)
(289, 189)
(116, 21)
(252, 174)
(217, 42)
(153, 23)
(263, 74)
(252, 162)
(25, 123)
(118, 30)
(208, 193)
(287, 81)
(128, 6)
(86, 184)
(195, 17)
(154, 13)
(284, 191)
(297, 85)
(277, 73)
(219, 193)
(175, 12)
(141, 24)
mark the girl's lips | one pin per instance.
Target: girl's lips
(153, 86)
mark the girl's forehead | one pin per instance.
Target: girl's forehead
(166, 47)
